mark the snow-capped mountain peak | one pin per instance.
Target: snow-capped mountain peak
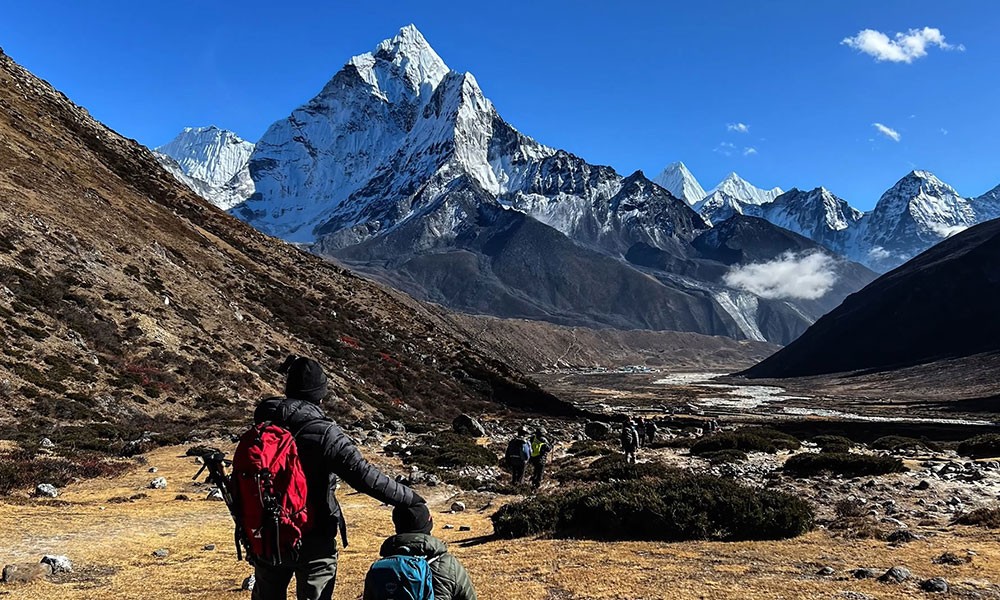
(679, 181)
(406, 58)
(211, 161)
(744, 191)
(208, 154)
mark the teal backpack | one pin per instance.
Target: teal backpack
(400, 577)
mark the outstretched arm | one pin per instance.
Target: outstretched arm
(348, 464)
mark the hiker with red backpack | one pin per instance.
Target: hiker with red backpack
(285, 473)
(416, 564)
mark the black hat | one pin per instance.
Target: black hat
(412, 519)
(305, 379)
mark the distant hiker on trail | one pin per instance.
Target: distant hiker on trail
(650, 431)
(640, 429)
(517, 456)
(629, 440)
(274, 486)
(414, 562)
(540, 448)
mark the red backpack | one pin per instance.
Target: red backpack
(269, 493)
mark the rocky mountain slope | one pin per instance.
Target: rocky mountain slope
(124, 297)
(940, 305)
(212, 162)
(404, 170)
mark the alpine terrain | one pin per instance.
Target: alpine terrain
(402, 169)
(212, 162)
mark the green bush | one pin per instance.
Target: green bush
(449, 450)
(585, 448)
(22, 469)
(981, 446)
(833, 443)
(898, 443)
(987, 516)
(842, 463)
(616, 468)
(678, 506)
(749, 439)
(720, 457)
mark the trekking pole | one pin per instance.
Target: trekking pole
(216, 464)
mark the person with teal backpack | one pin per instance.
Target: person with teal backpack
(415, 565)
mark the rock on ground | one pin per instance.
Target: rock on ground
(896, 575)
(458, 507)
(160, 483)
(161, 553)
(935, 585)
(46, 490)
(26, 572)
(58, 563)
(248, 584)
(596, 430)
(466, 425)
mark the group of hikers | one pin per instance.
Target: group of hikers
(526, 450)
(282, 496)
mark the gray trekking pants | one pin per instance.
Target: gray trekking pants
(315, 575)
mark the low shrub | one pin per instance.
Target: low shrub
(898, 443)
(987, 516)
(678, 506)
(677, 443)
(616, 468)
(585, 448)
(748, 439)
(449, 450)
(842, 463)
(833, 443)
(981, 446)
(721, 457)
(22, 469)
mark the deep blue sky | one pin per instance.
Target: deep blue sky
(631, 84)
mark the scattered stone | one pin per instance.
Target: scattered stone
(153, 469)
(208, 547)
(935, 585)
(46, 490)
(896, 575)
(596, 430)
(458, 507)
(26, 572)
(160, 483)
(46, 443)
(902, 536)
(161, 553)
(465, 528)
(825, 572)
(894, 522)
(855, 596)
(215, 495)
(950, 558)
(449, 527)
(864, 573)
(396, 426)
(58, 563)
(466, 425)
(396, 446)
(248, 584)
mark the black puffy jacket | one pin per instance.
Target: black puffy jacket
(326, 454)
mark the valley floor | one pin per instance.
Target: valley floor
(111, 547)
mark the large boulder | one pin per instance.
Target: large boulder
(46, 490)
(597, 430)
(58, 563)
(26, 572)
(466, 425)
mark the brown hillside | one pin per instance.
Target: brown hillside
(125, 297)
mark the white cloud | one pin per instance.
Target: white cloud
(738, 127)
(879, 253)
(749, 151)
(790, 276)
(906, 47)
(946, 231)
(888, 132)
(725, 148)
(944, 131)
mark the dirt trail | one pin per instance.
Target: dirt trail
(111, 545)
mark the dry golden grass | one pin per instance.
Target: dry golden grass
(111, 545)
